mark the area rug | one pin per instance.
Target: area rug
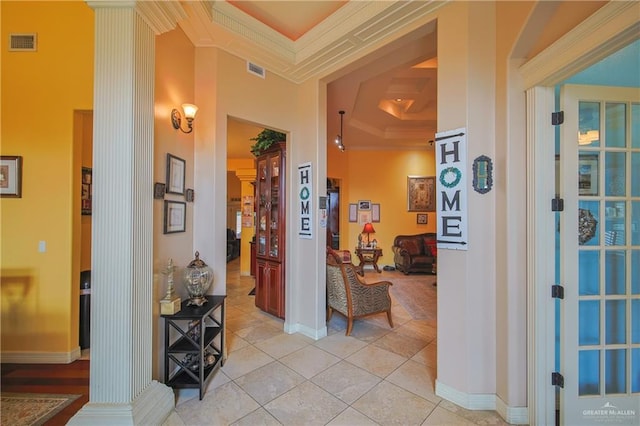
(417, 295)
(27, 409)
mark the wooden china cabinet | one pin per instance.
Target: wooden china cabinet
(270, 230)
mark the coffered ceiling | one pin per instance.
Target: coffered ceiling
(379, 62)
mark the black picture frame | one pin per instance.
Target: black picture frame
(175, 216)
(176, 172)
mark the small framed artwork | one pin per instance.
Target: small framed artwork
(364, 216)
(11, 176)
(364, 205)
(158, 190)
(375, 212)
(175, 213)
(353, 212)
(422, 218)
(175, 174)
(421, 193)
(189, 195)
(87, 191)
(588, 174)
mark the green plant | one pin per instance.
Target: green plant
(265, 139)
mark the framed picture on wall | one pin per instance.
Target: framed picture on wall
(375, 212)
(175, 174)
(353, 212)
(364, 205)
(87, 190)
(175, 213)
(421, 193)
(422, 218)
(11, 176)
(588, 174)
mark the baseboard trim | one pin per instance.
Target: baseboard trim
(512, 415)
(40, 357)
(307, 331)
(152, 407)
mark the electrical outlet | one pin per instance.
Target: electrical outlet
(42, 246)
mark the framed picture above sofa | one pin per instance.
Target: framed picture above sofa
(421, 193)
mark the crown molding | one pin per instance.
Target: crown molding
(610, 28)
(353, 30)
(161, 16)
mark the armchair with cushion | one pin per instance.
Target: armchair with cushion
(415, 253)
(350, 296)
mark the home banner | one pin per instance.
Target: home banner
(451, 189)
(305, 197)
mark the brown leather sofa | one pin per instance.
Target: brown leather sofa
(415, 253)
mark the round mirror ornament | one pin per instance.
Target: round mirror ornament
(197, 278)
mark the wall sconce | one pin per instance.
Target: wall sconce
(189, 114)
(339, 137)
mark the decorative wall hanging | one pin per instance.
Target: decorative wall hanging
(422, 218)
(87, 189)
(482, 174)
(158, 190)
(175, 174)
(588, 174)
(11, 176)
(587, 225)
(353, 212)
(375, 213)
(421, 193)
(175, 213)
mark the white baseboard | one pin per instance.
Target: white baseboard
(307, 331)
(40, 357)
(512, 415)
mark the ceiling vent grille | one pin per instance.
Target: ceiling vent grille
(255, 69)
(22, 42)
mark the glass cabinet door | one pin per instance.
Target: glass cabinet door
(274, 213)
(261, 240)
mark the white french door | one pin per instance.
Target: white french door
(599, 255)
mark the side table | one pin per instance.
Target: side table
(192, 351)
(368, 256)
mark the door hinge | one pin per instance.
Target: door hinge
(557, 379)
(557, 204)
(557, 118)
(557, 291)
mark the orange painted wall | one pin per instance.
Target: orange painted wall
(40, 92)
(380, 177)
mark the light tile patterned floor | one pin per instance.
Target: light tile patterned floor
(376, 376)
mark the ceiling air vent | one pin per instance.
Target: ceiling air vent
(22, 42)
(255, 69)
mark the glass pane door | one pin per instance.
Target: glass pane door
(600, 255)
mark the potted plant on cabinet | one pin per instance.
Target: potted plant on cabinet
(265, 139)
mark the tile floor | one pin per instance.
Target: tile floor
(376, 376)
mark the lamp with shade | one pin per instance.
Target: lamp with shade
(368, 229)
(190, 111)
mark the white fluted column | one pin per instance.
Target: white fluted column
(121, 388)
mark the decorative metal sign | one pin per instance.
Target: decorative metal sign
(451, 189)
